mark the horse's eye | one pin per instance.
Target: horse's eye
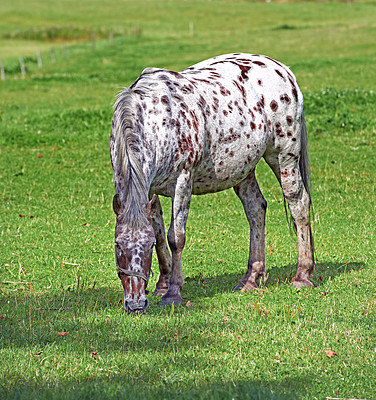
(118, 248)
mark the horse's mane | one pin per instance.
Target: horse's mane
(127, 145)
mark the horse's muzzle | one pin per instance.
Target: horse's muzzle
(136, 307)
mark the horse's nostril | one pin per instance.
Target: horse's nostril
(136, 307)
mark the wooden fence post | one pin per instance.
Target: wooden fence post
(39, 58)
(22, 65)
(191, 29)
(93, 40)
(111, 38)
(53, 56)
(2, 71)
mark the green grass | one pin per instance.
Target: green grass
(57, 269)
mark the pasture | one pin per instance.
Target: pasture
(63, 331)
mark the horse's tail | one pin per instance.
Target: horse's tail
(305, 170)
(304, 159)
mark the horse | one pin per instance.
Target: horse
(199, 131)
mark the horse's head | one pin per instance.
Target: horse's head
(133, 252)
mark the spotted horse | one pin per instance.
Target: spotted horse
(201, 131)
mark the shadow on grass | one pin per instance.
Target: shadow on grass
(195, 288)
(115, 388)
(201, 286)
(24, 316)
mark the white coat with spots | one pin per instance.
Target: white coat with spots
(201, 131)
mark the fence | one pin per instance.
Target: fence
(136, 31)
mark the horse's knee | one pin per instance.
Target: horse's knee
(300, 208)
(176, 240)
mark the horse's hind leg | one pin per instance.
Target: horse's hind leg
(288, 171)
(255, 207)
(163, 254)
(299, 205)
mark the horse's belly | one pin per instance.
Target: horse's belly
(203, 186)
(226, 168)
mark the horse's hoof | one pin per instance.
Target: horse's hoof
(167, 301)
(297, 284)
(247, 287)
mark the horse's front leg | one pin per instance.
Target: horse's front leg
(163, 253)
(176, 237)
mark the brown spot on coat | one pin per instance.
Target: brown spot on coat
(244, 71)
(240, 87)
(201, 102)
(285, 98)
(275, 61)
(187, 89)
(215, 105)
(224, 91)
(260, 64)
(274, 105)
(165, 100)
(280, 74)
(194, 120)
(295, 94)
(278, 129)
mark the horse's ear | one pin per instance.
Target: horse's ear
(116, 204)
(152, 206)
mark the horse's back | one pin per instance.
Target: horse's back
(258, 75)
(248, 103)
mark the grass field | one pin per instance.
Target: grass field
(63, 332)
